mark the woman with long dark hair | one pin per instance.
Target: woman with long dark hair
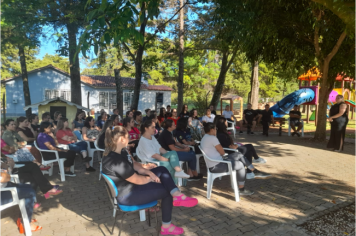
(338, 119)
(78, 122)
(162, 115)
(24, 129)
(247, 150)
(134, 133)
(101, 139)
(174, 117)
(90, 132)
(184, 113)
(138, 185)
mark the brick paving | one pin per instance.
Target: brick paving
(306, 179)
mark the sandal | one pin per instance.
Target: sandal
(21, 228)
(42, 167)
(48, 194)
(37, 205)
(153, 209)
(187, 202)
(177, 230)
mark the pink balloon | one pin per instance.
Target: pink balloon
(332, 96)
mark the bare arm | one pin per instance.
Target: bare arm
(162, 150)
(191, 143)
(84, 134)
(5, 177)
(220, 149)
(159, 157)
(50, 147)
(342, 110)
(139, 179)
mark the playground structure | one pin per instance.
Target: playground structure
(309, 95)
(232, 98)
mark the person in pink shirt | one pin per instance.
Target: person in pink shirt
(65, 136)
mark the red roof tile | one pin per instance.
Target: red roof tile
(159, 87)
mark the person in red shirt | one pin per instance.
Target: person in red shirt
(65, 136)
(134, 133)
(162, 115)
(174, 116)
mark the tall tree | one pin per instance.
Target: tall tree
(255, 85)
(21, 28)
(181, 56)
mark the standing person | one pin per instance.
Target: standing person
(162, 115)
(24, 129)
(101, 121)
(129, 114)
(267, 118)
(174, 116)
(338, 119)
(34, 120)
(116, 112)
(249, 118)
(148, 113)
(47, 141)
(209, 117)
(137, 116)
(65, 135)
(294, 120)
(167, 141)
(184, 113)
(212, 147)
(78, 122)
(211, 107)
(90, 132)
(134, 133)
(57, 115)
(139, 186)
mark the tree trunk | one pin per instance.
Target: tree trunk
(251, 79)
(75, 85)
(138, 62)
(255, 86)
(181, 57)
(118, 82)
(26, 89)
(221, 80)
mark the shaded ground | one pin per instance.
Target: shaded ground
(307, 179)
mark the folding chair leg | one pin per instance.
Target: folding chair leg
(61, 170)
(25, 219)
(113, 226)
(122, 220)
(235, 187)
(50, 171)
(209, 185)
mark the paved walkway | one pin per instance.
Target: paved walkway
(306, 179)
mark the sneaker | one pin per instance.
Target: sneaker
(90, 169)
(293, 133)
(250, 175)
(246, 192)
(259, 160)
(68, 173)
(181, 174)
(87, 159)
(241, 132)
(194, 178)
(252, 133)
(259, 174)
(298, 134)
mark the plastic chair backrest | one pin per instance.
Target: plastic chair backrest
(204, 154)
(111, 184)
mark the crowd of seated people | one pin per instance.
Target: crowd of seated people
(162, 140)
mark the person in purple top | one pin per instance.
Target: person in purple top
(47, 141)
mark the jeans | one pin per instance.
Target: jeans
(248, 151)
(238, 163)
(188, 157)
(172, 162)
(33, 174)
(265, 125)
(68, 155)
(142, 194)
(24, 191)
(78, 147)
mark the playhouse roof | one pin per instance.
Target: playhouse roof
(57, 99)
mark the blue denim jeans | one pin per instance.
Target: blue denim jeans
(24, 191)
(188, 157)
(78, 147)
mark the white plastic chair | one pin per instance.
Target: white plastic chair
(99, 150)
(233, 123)
(198, 158)
(212, 176)
(21, 203)
(50, 162)
(290, 128)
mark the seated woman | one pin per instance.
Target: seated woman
(101, 138)
(24, 191)
(89, 131)
(195, 119)
(115, 119)
(137, 185)
(212, 147)
(166, 140)
(184, 113)
(174, 117)
(101, 121)
(154, 118)
(162, 114)
(31, 171)
(78, 122)
(34, 121)
(247, 150)
(47, 141)
(209, 117)
(65, 136)
(134, 133)
(56, 117)
(151, 150)
(184, 136)
(24, 129)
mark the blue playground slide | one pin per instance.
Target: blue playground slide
(284, 106)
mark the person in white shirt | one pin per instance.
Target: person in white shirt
(208, 118)
(228, 114)
(211, 146)
(149, 149)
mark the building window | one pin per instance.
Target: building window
(127, 101)
(103, 100)
(112, 100)
(52, 93)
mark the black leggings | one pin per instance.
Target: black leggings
(265, 125)
(68, 155)
(133, 149)
(248, 151)
(142, 194)
(32, 173)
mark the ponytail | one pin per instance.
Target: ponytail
(111, 137)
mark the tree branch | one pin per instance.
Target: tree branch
(316, 35)
(129, 51)
(336, 47)
(232, 58)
